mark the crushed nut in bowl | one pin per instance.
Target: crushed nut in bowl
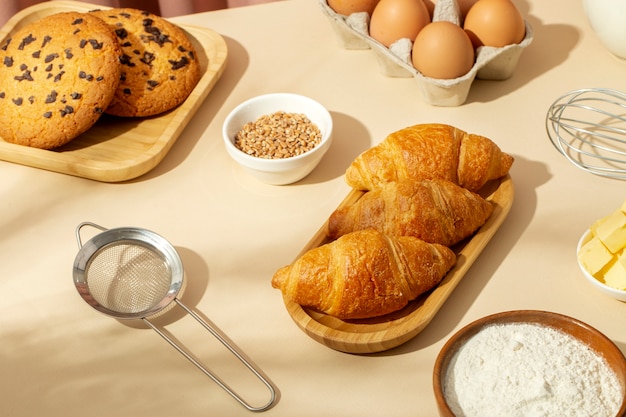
(278, 138)
(278, 135)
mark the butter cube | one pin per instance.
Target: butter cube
(615, 274)
(623, 206)
(594, 255)
(596, 224)
(612, 231)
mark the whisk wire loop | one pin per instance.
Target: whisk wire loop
(588, 127)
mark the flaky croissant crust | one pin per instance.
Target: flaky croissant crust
(436, 211)
(428, 151)
(364, 274)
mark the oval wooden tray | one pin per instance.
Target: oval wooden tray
(115, 148)
(389, 331)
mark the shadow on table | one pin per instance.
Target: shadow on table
(557, 41)
(350, 138)
(195, 285)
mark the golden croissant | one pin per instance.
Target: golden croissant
(364, 274)
(436, 211)
(428, 151)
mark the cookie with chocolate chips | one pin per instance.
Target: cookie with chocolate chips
(57, 76)
(159, 65)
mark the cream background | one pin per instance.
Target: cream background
(60, 358)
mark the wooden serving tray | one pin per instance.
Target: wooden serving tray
(389, 331)
(115, 148)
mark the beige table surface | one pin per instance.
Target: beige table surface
(59, 357)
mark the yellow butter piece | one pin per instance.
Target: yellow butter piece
(596, 224)
(594, 255)
(615, 274)
(612, 231)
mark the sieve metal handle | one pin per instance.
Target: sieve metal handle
(206, 325)
(83, 224)
(206, 371)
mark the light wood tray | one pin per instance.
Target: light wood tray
(389, 331)
(118, 149)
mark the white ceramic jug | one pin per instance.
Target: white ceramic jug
(608, 20)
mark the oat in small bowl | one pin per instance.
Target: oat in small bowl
(278, 138)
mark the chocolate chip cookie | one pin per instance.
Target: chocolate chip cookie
(159, 64)
(57, 76)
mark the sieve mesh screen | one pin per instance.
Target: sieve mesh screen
(128, 277)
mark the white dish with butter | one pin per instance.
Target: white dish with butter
(603, 287)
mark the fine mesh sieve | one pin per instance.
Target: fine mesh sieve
(133, 273)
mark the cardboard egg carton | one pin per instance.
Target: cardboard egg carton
(491, 63)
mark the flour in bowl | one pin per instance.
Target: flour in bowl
(529, 370)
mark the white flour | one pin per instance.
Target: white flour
(529, 370)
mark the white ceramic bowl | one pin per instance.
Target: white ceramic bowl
(606, 289)
(606, 18)
(285, 170)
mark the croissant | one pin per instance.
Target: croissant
(364, 274)
(436, 211)
(428, 151)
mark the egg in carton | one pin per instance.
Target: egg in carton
(491, 63)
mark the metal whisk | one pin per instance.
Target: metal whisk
(588, 126)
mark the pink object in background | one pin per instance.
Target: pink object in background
(165, 8)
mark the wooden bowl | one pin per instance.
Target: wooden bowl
(586, 334)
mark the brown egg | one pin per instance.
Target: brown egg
(443, 50)
(494, 23)
(430, 5)
(347, 7)
(396, 19)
